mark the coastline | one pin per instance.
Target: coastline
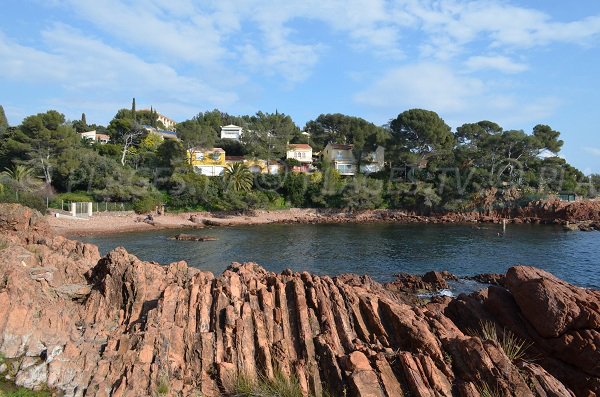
(119, 317)
(583, 215)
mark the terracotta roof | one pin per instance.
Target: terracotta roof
(234, 158)
(338, 146)
(300, 146)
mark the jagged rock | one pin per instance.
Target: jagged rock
(118, 326)
(489, 278)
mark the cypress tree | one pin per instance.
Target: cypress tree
(83, 121)
(133, 109)
(3, 120)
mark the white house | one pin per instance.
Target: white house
(372, 161)
(167, 122)
(231, 132)
(300, 151)
(93, 136)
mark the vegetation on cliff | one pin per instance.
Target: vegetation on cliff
(429, 167)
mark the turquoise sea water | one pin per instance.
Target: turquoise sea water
(379, 250)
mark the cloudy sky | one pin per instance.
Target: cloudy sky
(518, 63)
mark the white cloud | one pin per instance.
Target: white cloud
(456, 96)
(497, 62)
(592, 150)
(424, 85)
(82, 67)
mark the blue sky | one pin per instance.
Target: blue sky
(516, 63)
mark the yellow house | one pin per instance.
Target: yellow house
(209, 162)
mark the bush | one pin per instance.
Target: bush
(79, 197)
(28, 199)
(146, 204)
(190, 190)
(363, 193)
(295, 189)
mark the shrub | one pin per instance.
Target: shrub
(79, 197)
(28, 199)
(146, 204)
(363, 193)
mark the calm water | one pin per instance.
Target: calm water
(380, 250)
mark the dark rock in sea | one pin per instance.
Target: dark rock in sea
(430, 281)
(489, 278)
(79, 324)
(192, 237)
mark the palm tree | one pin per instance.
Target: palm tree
(239, 177)
(20, 178)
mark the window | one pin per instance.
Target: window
(199, 156)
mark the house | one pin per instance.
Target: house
(209, 162)
(301, 152)
(167, 122)
(231, 132)
(341, 157)
(256, 166)
(164, 134)
(93, 136)
(372, 161)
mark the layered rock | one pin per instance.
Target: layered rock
(118, 326)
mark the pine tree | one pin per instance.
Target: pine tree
(3, 121)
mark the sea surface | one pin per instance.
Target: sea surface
(379, 250)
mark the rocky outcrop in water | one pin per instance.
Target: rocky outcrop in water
(117, 326)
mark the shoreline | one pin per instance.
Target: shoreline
(119, 316)
(127, 222)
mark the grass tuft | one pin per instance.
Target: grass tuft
(485, 390)
(513, 346)
(279, 385)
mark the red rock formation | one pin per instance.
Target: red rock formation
(118, 326)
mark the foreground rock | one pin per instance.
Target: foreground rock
(117, 326)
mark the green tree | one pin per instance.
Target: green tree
(294, 188)
(39, 139)
(170, 153)
(238, 177)
(3, 121)
(419, 134)
(340, 128)
(268, 134)
(547, 139)
(193, 135)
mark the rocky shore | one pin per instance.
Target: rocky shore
(81, 325)
(580, 215)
